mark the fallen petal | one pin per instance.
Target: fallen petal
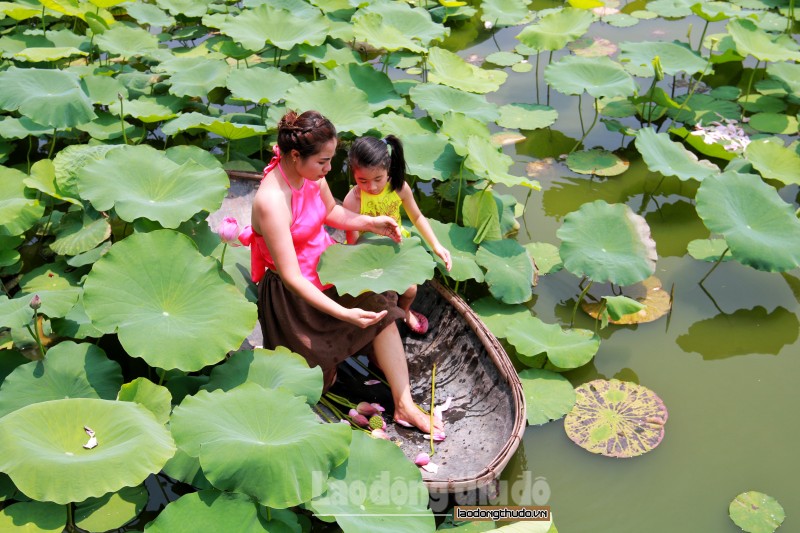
(91, 443)
(430, 467)
(372, 382)
(422, 459)
(88, 431)
(380, 434)
(378, 407)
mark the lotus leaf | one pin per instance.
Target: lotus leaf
(45, 454)
(155, 398)
(526, 116)
(49, 97)
(9, 255)
(79, 10)
(152, 186)
(709, 250)
(271, 369)
(33, 517)
(15, 313)
(195, 76)
(646, 301)
(438, 100)
(75, 324)
(69, 161)
(265, 24)
(149, 14)
(548, 395)
(87, 258)
(163, 299)
(186, 468)
(371, 28)
(565, 349)
(18, 213)
(761, 229)
(774, 123)
(377, 85)
(111, 511)
(598, 162)
(107, 127)
(190, 8)
(260, 85)
(774, 161)
(378, 465)
(347, 108)
(127, 41)
(43, 178)
(481, 210)
(598, 76)
(281, 446)
(671, 158)
(19, 128)
(504, 59)
(145, 109)
(414, 22)
(756, 512)
(403, 126)
(505, 12)
(545, 257)
(212, 510)
(788, 73)
(616, 418)
(69, 370)
(459, 242)
(671, 8)
(714, 150)
(509, 270)
(37, 55)
(759, 103)
(703, 109)
(459, 128)
(498, 316)
(607, 242)
(637, 58)
(554, 30)
(377, 265)
(21, 10)
(750, 40)
(449, 69)
(485, 160)
(80, 232)
(56, 286)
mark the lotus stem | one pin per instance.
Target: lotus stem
(702, 36)
(369, 370)
(433, 396)
(750, 83)
(591, 127)
(344, 402)
(538, 55)
(549, 61)
(322, 414)
(161, 375)
(28, 155)
(122, 119)
(44, 30)
(580, 115)
(721, 257)
(580, 299)
(493, 36)
(222, 259)
(697, 82)
(671, 302)
(34, 331)
(600, 311)
(52, 145)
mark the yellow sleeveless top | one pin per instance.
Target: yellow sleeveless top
(387, 202)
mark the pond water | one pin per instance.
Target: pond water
(725, 361)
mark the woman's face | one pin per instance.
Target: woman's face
(316, 166)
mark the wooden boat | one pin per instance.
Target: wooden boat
(486, 419)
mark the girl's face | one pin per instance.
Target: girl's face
(371, 180)
(316, 166)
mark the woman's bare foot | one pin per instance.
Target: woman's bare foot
(416, 322)
(414, 416)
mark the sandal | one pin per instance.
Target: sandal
(422, 324)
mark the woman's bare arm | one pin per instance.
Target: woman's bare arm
(421, 223)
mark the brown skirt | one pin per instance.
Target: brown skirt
(288, 320)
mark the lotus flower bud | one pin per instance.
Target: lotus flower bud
(36, 302)
(658, 69)
(358, 418)
(366, 409)
(422, 459)
(228, 230)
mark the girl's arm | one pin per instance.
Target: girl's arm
(342, 218)
(274, 220)
(352, 202)
(422, 225)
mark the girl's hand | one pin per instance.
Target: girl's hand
(386, 226)
(364, 319)
(444, 254)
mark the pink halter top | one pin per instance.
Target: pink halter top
(308, 234)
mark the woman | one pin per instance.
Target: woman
(295, 309)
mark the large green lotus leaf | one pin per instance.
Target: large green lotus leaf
(15, 313)
(709, 250)
(103, 90)
(281, 447)
(377, 264)
(671, 158)
(43, 178)
(509, 270)
(33, 517)
(9, 255)
(481, 210)
(186, 121)
(714, 150)
(79, 10)
(44, 450)
(195, 76)
(127, 41)
(272, 369)
(548, 395)
(505, 12)
(555, 30)
(373, 29)
(212, 510)
(750, 40)
(637, 58)
(459, 241)
(376, 463)
(756, 512)
(49, 97)
(449, 69)
(163, 298)
(18, 213)
(149, 14)
(146, 109)
(75, 324)
(788, 73)
(704, 109)
(761, 229)
(599, 76)
(56, 286)
(778, 123)
(545, 257)
(438, 100)
(69, 370)
(190, 8)
(458, 127)
(616, 418)
(107, 127)
(487, 161)
(148, 184)
(22, 9)
(596, 161)
(414, 22)
(565, 349)
(499, 316)
(607, 242)
(19, 128)
(37, 55)
(186, 468)
(155, 398)
(430, 156)
(70, 160)
(671, 8)
(774, 161)
(220, 126)
(111, 511)
(260, 85)
(347, 108)
(79, 232)
(526, 116)
(377, 85)
(265, 24)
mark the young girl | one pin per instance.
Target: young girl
(379, 169)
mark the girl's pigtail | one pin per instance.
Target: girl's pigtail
(397, 162)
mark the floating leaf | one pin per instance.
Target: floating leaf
(709, 250)
(33, 517)
(127, 41)
(266, 24)
(69, 370)
(788, 73)
(504, 12)
(509, 270)
(163, 297)
(260, 85)
(597, 161)
(756, 512)
(616, 418)
(45, 457)
(154, 398)
(448, 68)
(607, 242)
(670, 158)
(195, 76)
(599, 76)
(774, 161)
(761, 229)
(555, 30)
(545, 257)
(499, 316)
(111, 511)
(526, 116)
(548, 395)
(377, 265)
(637, 58)
(565, 349)
(413, 22)
(778, 123)
(281, 447)
(215, 510)
(438, 100)
(645, 302)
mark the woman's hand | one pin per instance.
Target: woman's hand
(362, 318)
(386, 226)
(444, 254)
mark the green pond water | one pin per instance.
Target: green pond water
(725, 362)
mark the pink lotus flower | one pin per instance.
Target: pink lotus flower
(358, 418)
(422, 459)
(369, 409)
(228, 231)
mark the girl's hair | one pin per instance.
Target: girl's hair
(386, 153)
(305, 133)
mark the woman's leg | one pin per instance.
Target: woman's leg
(391, 357)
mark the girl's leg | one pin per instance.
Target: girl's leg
(391, 357)
(404, 302)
